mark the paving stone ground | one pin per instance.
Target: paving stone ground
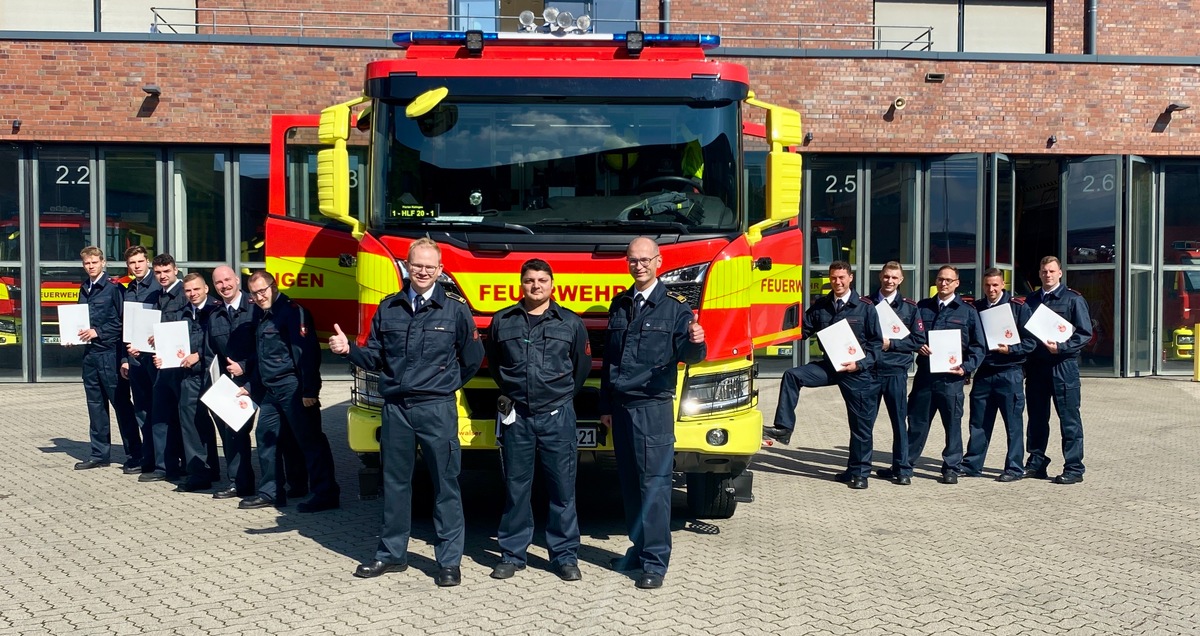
(96, 552)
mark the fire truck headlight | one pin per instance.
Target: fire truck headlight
(550, 15)
(584, 23)
(526, 20)
(691, 274)
(565, 20)
(1186, 340)
(704, 394)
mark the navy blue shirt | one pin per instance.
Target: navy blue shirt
(1016, 353)
(643, 352)
(198, 319)
(541, 366)
(860, 313)
(231, 337)
(105, 300)
(1069, 304)
(428, 353)
(955, 315)
(899, 355)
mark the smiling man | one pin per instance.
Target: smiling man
(538, 353)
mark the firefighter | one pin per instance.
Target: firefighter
(138, 368)
(102, 342)
(996, 386)
(231, 337)
(943, 392)
(894, 362)
(539, 356)
(286, 377)
(650, 331)
(424, 344)
(855, 380)
(1052, 373)
(196, 430)
(168, 443)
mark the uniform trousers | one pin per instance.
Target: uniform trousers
(996, 389)
(644, 444)
(859, 391)
(1057, 383)
(99, 389)
(942, 394)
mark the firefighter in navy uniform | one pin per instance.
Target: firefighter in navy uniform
(855, 380)
(424, 344)
(231, 336)
(894, 363)
(943, 392)
(102, 342)
(286, 376)
(1052, 374)
(649, 333)
(195, 426)
(996, 386)
(539, 355)
(168, 443)
(138, 368)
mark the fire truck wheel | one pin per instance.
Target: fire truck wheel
(710, 495)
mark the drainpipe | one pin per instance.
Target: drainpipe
(1089, 28)
(664, 15)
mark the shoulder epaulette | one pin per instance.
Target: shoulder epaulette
(454, 296)
(910, 301)
(389, 297)
(1074, 292)
(680, 297)
(866, 300)
(1020, 300)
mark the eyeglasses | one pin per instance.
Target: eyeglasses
(422, 268)
(641, 262)
(946, 280)
(262, 293)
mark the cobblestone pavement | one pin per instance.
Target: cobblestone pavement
(96, 552)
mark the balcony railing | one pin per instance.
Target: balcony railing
(366, 25)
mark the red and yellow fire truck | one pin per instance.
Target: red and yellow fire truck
(505, 147)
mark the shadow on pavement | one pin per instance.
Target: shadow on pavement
(80, 451)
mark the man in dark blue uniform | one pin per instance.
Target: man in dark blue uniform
(996, 386)
(943, 392)
(650, 331)
(195, 426)
(1052, 373)
(424, 344)
(895, 361)
(102, 342)
(138, 368)
(539, 356)
(286, 376)
(856, 380)
(231, 337)
(168, 441)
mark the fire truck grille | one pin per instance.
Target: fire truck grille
(690, 290)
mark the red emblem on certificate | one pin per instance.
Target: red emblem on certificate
(180, 354)
(953, 359)
(895, 328)
(1062, 328)
(243, 404)
(851, 350)
(1008, 333)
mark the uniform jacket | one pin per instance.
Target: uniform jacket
(899, 356)
(956, 315)
(642, 356)
(860, 313)
(105, 300)
(428, 354)
(198, 320)
(172, 302)
(286, 348)
(1016, 353)
(540, 368)
(232, 338)
(143, 290)
(1069, 304)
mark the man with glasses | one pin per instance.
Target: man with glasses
(1052, 374)
(942, 392)
(650, 331)
(286, 376)
(855, 380)
(424, 345)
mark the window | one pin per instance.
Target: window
(984, 26)
(116, 16)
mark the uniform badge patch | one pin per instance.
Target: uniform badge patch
(303, 329)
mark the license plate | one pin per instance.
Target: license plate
(586, 435)
(50, 339)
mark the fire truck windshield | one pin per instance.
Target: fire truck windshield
(562, 167)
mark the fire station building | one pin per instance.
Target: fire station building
(977, 133)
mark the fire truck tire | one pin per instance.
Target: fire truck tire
(711, 495)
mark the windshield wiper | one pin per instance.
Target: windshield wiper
(617, 224)
(494, 225)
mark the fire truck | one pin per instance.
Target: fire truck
(564, 145)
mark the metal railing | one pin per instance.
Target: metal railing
(360, 24)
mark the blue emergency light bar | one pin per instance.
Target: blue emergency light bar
(405, 39)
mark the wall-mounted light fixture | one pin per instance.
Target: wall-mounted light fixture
(808, 137)
(1052, 140)
(1173, 107)
(152, 90)
(16, 125)
(935, 78)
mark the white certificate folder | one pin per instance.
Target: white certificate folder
(172, 343)
(1048, 326)
(71, 320)
(889, 321)
(223, 399)
(840, 344)
(999, 327)
(945, 347)
(139, 325)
